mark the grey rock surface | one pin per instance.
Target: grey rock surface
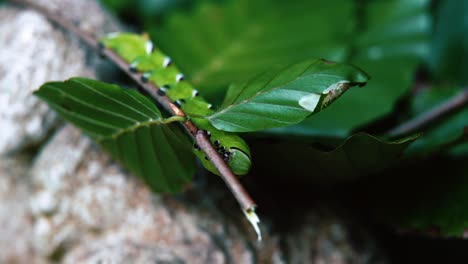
(33, 51)
(15, 218)
(124, 251)
(80, 197)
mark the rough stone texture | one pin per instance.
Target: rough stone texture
(33, 52)
(81, 197)
(87, 14)
(123, 251)
(15, 219)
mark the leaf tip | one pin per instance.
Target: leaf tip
(361, 78)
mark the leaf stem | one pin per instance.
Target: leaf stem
(434, 115)
(242, 196)
(175, 118)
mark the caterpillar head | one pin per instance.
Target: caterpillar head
(230, 146)
(238, 160)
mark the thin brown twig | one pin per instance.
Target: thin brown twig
(241, 195)
(431, 117)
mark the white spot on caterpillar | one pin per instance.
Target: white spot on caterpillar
(195, 93)
(145, 77)
(167, 61)
(134, 64)
(179, 77)
(113, 34)
(149, 47)
(210, 106)
(309, 102)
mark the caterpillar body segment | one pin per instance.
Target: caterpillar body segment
(158, 68)
(129, 46)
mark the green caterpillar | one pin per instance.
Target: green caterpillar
(158, 68)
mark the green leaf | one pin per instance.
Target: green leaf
(129, 126)
(285, 96)
(220, 44)
(360, 155)
(141, 11)
(389, 49)
(449, 52)
(446, 131)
